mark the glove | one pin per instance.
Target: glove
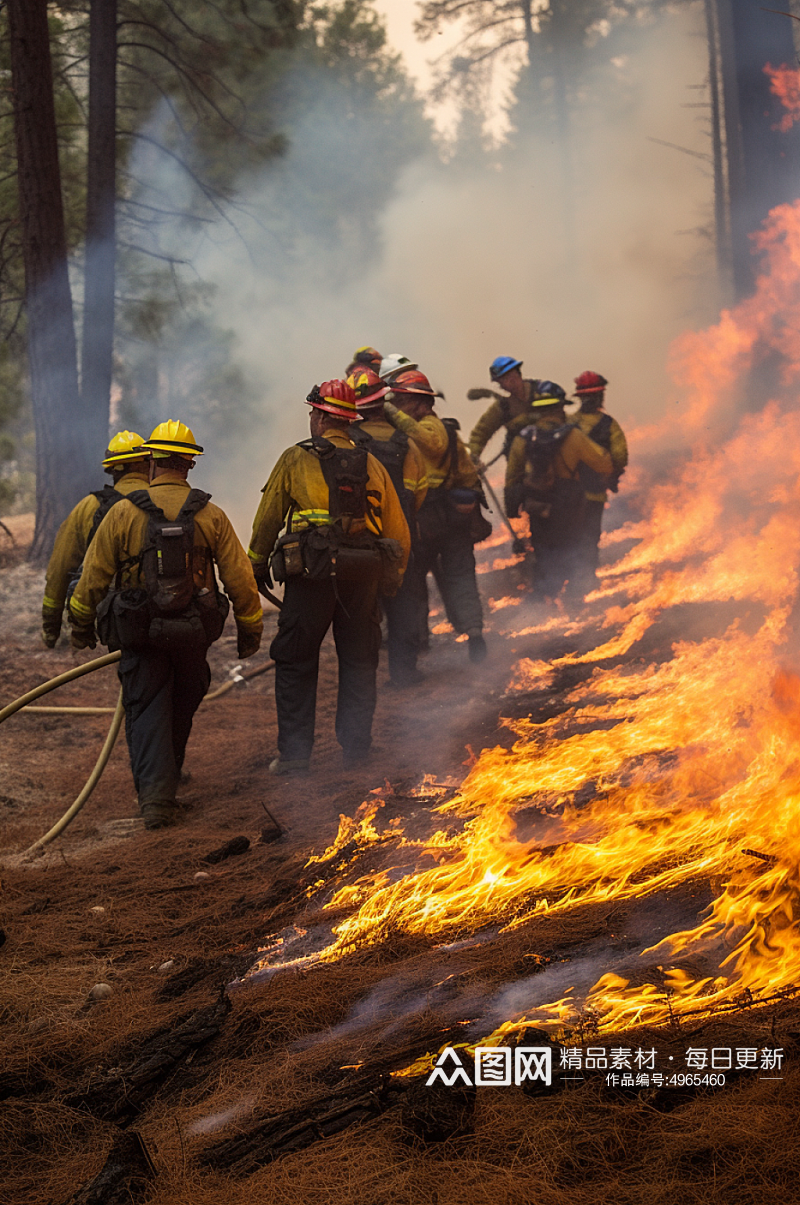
(475, 395)
(51, 627)
(247, 643)
(83, 637)
(519, 546)
(263, 577)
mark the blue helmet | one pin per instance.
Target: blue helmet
(501, 365)
(550, 394)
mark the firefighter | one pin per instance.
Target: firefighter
(543, 478)
(590, 388)
(346, 537)
(513, 412)
(447, 517)
(392, 364)
(405, 465)
(128, 468)
(165, 609)
(364, 357)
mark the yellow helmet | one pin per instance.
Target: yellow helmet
(126, 445)
(173, 438)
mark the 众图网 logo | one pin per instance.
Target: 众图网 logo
(495, 1066)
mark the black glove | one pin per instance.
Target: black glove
(519, 546)
(83, 636)
(247, 643)
(51, 627)
(263, 577)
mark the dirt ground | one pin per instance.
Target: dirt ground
(171, 1070)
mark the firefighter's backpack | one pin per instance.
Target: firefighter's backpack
(343, 548)
(391, 453)
(168, 613)
(592, 481)
(559, 501)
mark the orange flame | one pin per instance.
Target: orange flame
(784, 82)
(687, 758)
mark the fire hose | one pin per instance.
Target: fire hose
(113, 732)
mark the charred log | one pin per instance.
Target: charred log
(126, 1175)
(122, 1095)
(297, 1129)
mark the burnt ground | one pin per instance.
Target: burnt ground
(185, 1089)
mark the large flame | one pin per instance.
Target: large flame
(688, 754)
(784, 82)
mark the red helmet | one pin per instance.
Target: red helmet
(367, 387)
(590, 382)
(336, 397)
(413, 381)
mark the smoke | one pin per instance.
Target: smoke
(465, 260)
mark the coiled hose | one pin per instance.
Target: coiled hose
(119, 711)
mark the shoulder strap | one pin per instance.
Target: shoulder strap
(317, 444)
(601, 431)
(142, 499)
(452, 426)
(106, 498)
(359, 436)
(196, 500)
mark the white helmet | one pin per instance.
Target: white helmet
(394, 363)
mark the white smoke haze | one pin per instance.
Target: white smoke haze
(472, 261)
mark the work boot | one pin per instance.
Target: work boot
(281, 766)
(351, 758)
(400, 679)
(477, 647)
(158, 814)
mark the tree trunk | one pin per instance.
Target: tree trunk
(560, 34)
(60, 461)
(762, 161)
(98, 313)
(722, 234)
(530, 36)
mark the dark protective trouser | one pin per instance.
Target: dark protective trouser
(309, 608)
(588, 552)
(556, 540)
(445, 549)
(403, 612)
(161, 692)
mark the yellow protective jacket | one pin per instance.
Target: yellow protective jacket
(508, 413)
(430, 436)
(297, 485)
(618, 446)
(122, 533)
(415, 477)
(576, 449)
(71, 544)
